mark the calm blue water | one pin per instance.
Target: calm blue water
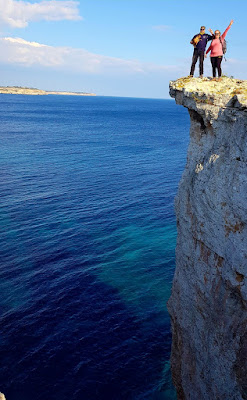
(87, 240)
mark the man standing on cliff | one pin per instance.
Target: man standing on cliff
(199, 42)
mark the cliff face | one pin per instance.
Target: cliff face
(208, 305)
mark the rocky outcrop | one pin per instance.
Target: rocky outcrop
(2, 397)
(208, 305)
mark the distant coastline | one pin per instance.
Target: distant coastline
(34, 91)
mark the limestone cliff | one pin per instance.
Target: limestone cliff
(208, 305)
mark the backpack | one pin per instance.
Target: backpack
(224, 46)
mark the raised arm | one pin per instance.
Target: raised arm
(227, 29)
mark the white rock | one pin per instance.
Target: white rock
(208, 305)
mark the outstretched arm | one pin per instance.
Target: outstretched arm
(227, 29)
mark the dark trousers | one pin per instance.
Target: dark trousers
(216, 64)
(197, 54)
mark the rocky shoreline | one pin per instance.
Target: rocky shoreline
(34, 91)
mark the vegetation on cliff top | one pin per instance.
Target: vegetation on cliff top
(208, 86)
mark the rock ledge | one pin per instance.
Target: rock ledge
(226, 93)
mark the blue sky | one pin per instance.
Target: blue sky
(112, 47)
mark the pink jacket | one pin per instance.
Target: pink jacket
(216, 47)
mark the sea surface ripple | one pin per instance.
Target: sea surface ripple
(87, 245)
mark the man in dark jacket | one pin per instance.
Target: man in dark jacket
(199, 42)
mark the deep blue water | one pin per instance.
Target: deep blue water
(87, 245)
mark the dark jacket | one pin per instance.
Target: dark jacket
(201, 45)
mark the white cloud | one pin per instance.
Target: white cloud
(161, 28)
(21, 52)
(234, 67)
(18, 14)
(23, 42)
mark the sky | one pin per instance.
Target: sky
(129, 48)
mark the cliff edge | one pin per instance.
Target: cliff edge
(208, 305)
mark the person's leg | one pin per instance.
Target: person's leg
(201, 55)
(213, 62)
(218, 65)
(194, 60)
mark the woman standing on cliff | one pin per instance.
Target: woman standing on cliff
(216, 48)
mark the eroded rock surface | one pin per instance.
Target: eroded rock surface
(208, 305)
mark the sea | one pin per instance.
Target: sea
(87, 245)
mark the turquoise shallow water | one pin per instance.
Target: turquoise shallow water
(87, 239)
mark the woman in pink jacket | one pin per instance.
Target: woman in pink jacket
(217, 50)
